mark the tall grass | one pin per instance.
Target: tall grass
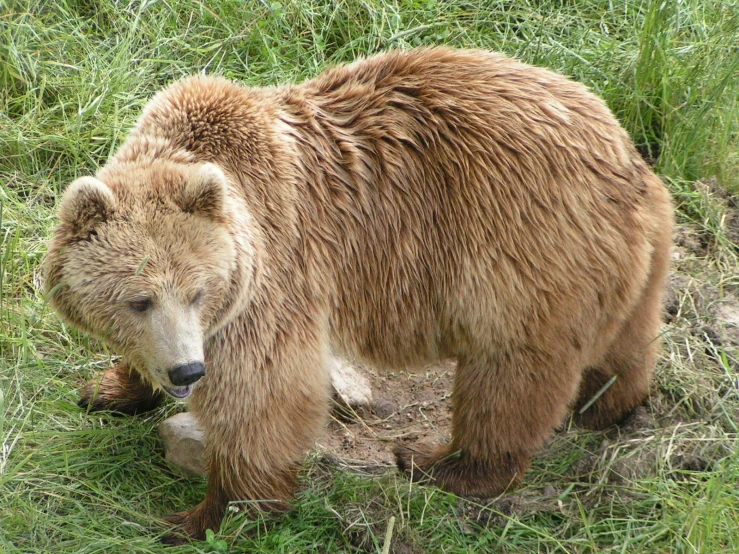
(74, 74)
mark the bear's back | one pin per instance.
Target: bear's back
(492, 196)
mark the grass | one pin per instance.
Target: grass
(74, 75)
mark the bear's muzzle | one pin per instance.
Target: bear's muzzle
(186, 374)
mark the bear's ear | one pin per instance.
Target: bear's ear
(87, 203)
(205, 192)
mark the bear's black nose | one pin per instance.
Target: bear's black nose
(186, 374)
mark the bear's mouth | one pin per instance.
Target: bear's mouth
(179, 392)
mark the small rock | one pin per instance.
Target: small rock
(184, 443)
(350, 387)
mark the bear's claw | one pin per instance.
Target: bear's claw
(417, 461)
(182, 531)
(457, 472)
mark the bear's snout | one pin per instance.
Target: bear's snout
(186, 374)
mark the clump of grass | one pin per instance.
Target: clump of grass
(73, 77)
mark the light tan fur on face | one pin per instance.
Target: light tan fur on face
(413, 206)
(172, 336)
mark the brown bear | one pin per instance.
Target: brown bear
(406, 208)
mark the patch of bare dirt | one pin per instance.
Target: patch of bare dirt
(408, 406)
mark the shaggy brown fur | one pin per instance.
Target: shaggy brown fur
(410, 207)
(120, 389)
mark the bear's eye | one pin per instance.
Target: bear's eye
(140, 305)
(197, 297)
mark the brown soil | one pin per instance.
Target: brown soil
(409, 406)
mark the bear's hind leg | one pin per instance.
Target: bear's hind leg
(120, 389)
(504, 407)
(632, 355)
(603, 401)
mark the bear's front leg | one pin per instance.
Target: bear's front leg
(260, 412)
(120, 389)
(260, 491)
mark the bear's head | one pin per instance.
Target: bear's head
(144, 257)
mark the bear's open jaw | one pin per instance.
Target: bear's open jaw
(179, 392)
